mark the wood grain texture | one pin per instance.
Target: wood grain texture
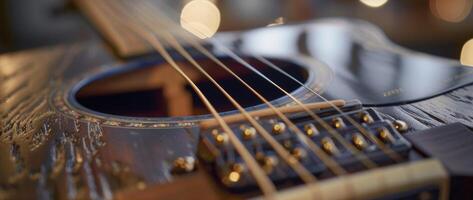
(455, 106)
(120, 146)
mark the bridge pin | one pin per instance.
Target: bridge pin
(400, 126)
(235, 174)
(249, 133)
(329, 146)
(279, 128)
(385, 135)
(338, 123)
(366, 117)
(359, 141)
(221, 138)
(311, 130)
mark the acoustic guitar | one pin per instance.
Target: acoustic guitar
(325, 109)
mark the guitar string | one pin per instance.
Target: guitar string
(174, 42)
(328, 161)
(282, 152)
(381, 179)
(388, 151)
(351, 148)
(360, 156)
(264, 182)
(325, 158)
(294, 163)
(331, 130)
(395, 156)
(158, 25)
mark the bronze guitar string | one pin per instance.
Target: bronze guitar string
(393, 155)
(365, 160)
(375, 140)
(328, 161)
(181, 50)
(388, 151)
(197, 64)
(338, 170)
(292, 161)
(305, 175)
(261, 178)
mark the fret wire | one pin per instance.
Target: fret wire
(261, 178)
(360, 156)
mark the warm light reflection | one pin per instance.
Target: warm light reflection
(201, 18)
(451, 10)
(374, 3)
(466, 57)
(278, 21)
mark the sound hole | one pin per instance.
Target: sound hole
(159, 91)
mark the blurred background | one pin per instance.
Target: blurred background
(440, 27)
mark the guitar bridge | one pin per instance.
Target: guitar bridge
(377, 134)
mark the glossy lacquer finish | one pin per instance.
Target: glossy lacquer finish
(52, 147)
(363, 64)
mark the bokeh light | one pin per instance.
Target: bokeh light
(201, 18)
(466, 57)
(451, 10)
(374, 3)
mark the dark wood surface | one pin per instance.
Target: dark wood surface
(453, 107)
(456, 106)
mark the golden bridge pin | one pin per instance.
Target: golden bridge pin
(279, 128)
(400, 126)
(337, 122)
(359, 141)
(329, 146)
(249, 133)
(221, 138)
(235, 174)
(311, 130)
(385, 135)
(366, 117)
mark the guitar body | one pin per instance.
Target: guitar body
(72, 127)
